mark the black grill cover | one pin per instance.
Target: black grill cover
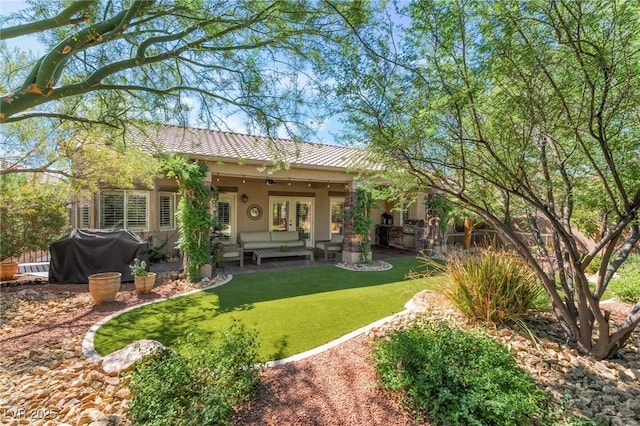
(86, 252)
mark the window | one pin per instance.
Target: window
(124, 209)
(83, 216)
(167, 210)
(337, 215)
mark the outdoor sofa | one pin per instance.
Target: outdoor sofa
(256, 240)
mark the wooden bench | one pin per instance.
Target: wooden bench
(258, 255)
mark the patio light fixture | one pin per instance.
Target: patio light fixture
(244, 198)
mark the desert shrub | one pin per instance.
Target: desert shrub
(198, 385)
(426, 267)
(626, 287)
(491, 285)
(453, 377)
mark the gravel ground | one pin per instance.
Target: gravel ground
(39, 315)
(42, 325)
(336, 387)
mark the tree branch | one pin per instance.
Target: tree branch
(60, 116)
(64, 18)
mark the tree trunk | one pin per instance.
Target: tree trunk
(468, 232)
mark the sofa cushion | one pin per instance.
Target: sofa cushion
(231, 252)
(284, 236)
(255, 236)
(337, 238)
(251, 245)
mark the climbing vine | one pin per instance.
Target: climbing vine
(441, 207)
(362, 222)
(193, 216)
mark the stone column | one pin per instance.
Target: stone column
(350, 244)
(351, 252)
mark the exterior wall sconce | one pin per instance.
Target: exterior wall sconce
(244, 198)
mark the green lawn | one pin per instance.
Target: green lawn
(293, 310)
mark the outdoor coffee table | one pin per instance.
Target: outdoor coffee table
(258, 255)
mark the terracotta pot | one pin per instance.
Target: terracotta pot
(104, 287)
(146, 283)
(8, 270)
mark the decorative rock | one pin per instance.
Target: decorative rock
(123, 393)
(112, 420)
(29, 294)
(40, 370)
(575, 382)
(43, 377)
(112, 380)
(125, 358)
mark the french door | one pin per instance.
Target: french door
(292, 214)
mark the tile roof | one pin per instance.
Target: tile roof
(234, 146)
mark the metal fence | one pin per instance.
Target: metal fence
(33, 257)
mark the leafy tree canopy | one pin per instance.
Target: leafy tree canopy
(117, 63)
(517, 110)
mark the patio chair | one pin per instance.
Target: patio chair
(231, 252)
(333, 246)
(225, 252)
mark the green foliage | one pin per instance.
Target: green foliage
(594, 266)
(455, 377)
(362, 222)
(487, 104)
(101, 77)
(441, 206)
(199, 386)
(139, 268)
(193, 215)
(156, 254)
(626, 287)
(102, 158)
(491, 285)
(86, 159)
(579, 421)
(32, 215)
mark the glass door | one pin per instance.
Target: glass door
(292, 214)
(224, 210)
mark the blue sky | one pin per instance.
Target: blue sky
(327, 131)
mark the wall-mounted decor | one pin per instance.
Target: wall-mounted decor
(254, 212)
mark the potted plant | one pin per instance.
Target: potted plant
(142, 279)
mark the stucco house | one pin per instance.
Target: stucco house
(252, 193)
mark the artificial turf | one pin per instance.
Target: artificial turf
(293, 310)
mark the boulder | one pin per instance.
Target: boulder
(127, 357)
